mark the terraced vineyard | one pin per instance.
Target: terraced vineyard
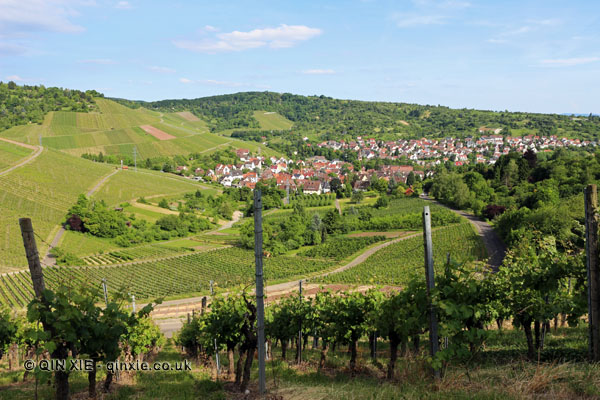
(178, 275)
(135, 253)
(128, 185)
(395, 264)
(11, 153)
(43, 191)
(409, 205)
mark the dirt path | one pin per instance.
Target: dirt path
(237, 215)
(496, 249)
(30, 158)
(48, 258)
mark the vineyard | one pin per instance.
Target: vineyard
(42, 190)
(397, 263)
(185, 274)
(11, 153)
(340, 248)
(128, 185)
(408, 205)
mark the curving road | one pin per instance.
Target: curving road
(38, 151)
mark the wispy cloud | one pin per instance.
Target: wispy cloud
(569, 62)
(15, 78)
(163, 70)
(99, 61)
(9, 49)
(123, 5)
(318, 72)
(211, 82)
(404, 20)
(448, 4)
(23, 17)
(281, 37)
(210, 28)
(531, 25)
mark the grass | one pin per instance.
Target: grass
(11, 153)
(80, 244)
(130, 185)
(492, 375)
(272, 121)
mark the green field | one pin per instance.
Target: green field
(130, 185)
(43, 191)
(395, 264)
(115, 130)
(11, 153)
(272, 121)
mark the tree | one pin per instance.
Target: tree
(410, 179)
(357, 197)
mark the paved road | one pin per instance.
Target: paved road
(496, 249)
(38, 151)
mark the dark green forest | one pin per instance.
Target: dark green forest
(336, 119)
(20, 105)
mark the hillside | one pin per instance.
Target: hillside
(338, 118)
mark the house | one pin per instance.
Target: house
(361, 186)
(242, 154)
(311, 187)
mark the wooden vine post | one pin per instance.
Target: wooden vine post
(430, 281)
(593, 270)
(260, 306)
(37, 278)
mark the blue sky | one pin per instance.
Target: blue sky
(540, 56)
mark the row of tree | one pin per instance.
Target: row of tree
(535, 285)
(69, 324)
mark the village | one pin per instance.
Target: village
(315, 174)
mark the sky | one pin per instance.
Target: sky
(516, 55)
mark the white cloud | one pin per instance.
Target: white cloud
(164, 70)
(280, 37)
(185, 80)
(210, 28)
(411, 20)
(99, 61)
(26, 16)
(496, 41)
(569, 62)
(15, 78)
(123, 5)
(318, 72)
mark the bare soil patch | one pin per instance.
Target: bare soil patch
(188, 116)
(157, 133)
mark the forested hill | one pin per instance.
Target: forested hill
(20, 105)
(325, 115)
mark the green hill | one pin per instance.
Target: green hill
(351, 118)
